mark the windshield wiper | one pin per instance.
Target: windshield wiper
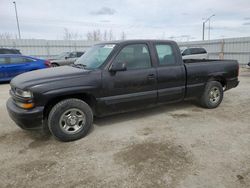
(79, 65)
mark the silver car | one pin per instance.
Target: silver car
(194, 53)
(65, 58)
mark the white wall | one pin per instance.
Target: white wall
(236, 48)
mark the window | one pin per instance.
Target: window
(198, 51)
(26, 60)
(3, 60)
(195, 51)
(9, 51)
(79, 54)
(202, 51)
(136, 56)
(95, 56)
(165, 54)
(16, 60)
(186, 52)
(72, 55)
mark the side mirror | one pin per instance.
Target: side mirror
(118, 66)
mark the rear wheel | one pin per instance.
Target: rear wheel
(213, 95)
(70, 119)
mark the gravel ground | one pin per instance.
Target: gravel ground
(177, 145)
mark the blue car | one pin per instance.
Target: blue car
(12, 65)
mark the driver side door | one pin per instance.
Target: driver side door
(136, 85)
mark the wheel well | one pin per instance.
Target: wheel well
(219, 79)
(55, 63)
(89, 99)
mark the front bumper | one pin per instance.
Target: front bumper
(232, 83)
(26, 119)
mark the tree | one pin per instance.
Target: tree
(123, 36)
(71, 35)
(94, 35)
(6, 36)
(111, 36)
(105, 35)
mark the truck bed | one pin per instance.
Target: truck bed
(203, 60)
(199, 71)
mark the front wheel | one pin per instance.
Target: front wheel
(70, 119)
(213, 95)
(54, 65)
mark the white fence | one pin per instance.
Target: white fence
(236, 48)
(45, 48)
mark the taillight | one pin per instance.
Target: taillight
(47, 63)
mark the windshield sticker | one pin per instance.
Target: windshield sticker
(109, 46)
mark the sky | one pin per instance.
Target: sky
(179, 20)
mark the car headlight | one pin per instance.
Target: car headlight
(24, 94)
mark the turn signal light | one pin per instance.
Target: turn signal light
(25, 105)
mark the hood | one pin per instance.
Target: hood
(45, 76)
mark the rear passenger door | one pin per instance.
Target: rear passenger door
(171, 73)
(134, 87)
(3, 68)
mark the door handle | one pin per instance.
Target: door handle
(151, 77)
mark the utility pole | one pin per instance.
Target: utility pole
(203, 27)
(18, 28)
(203, 30)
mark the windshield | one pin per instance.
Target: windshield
(182, 49)
(95, 56)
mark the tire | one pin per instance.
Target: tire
(213, 95)
(54, 65)
(70, 119)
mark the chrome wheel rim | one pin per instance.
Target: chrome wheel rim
(72, 121)
(214, 95)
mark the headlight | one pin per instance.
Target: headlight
(24, 94)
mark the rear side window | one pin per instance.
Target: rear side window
(9, 51)
(16, 60)
(136, 56)
(165, 54)
(3, 60)
(202, 51)
(198, 51)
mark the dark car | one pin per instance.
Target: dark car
(9, 51)
(12, 65)
(65, 58)
(115, 77)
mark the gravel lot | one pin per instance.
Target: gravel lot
(179, 145)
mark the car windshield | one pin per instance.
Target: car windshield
(182, 49)
(95, 56)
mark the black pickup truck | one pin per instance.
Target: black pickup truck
(115, 77)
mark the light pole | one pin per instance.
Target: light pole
(18, 28)
(203, 27)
